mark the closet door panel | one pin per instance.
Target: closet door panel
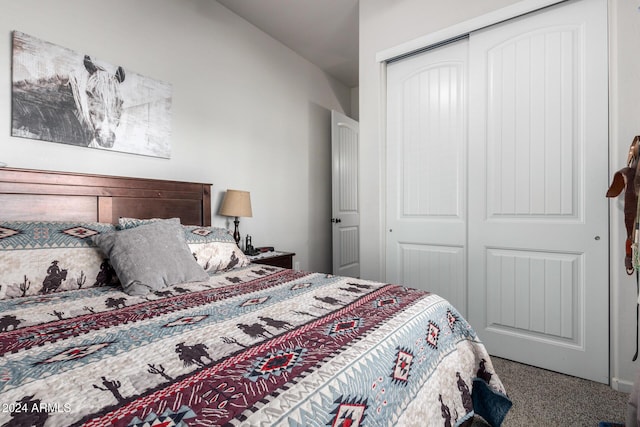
(537, 219)
(426, 172)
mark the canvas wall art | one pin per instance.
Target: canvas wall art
(60, 95)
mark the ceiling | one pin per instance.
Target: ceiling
(325, 32)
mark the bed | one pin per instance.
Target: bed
(245, 344)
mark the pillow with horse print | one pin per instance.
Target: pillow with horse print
(214, 248)
(215, 257)
(41, 257)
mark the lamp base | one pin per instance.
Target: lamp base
(236, 232)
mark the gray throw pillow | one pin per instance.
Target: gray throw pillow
(150, 257)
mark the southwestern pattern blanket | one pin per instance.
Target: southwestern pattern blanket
(257, 346)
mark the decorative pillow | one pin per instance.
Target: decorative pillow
(198, 234)
(213, 247)
(219, 256)
(151, 257)
(39, 257)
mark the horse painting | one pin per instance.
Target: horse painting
(69, 97)
(83, 108)
(99, 101)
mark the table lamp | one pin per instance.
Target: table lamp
(236, 203)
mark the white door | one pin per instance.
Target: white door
(426, 177)
(538, 149)
(345, 208)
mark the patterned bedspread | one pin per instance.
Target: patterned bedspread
(258, 346)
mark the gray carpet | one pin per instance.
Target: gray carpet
(545, 398)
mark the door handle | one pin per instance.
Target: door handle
(336, 220)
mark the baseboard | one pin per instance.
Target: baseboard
(621, 385)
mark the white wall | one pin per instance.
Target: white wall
(355, 103)
(624, 121)
(386, 24)
(248, 113)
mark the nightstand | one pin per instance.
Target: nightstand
(274, 258)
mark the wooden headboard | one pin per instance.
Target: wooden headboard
(64, 196)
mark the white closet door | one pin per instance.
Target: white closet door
(426, 188)
(538, 149)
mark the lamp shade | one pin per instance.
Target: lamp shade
(236, 203)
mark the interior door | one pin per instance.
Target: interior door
(538, 226)
(345, 207)
(426, 177)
